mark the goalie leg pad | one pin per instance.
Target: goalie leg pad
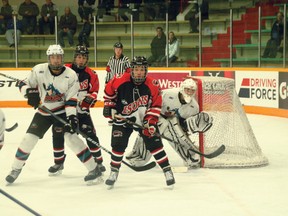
(183, 149)
(139, 155)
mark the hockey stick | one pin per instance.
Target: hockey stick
(12, 128)
(217, 152)
(137, 169)
(19, 203)
(9, 77)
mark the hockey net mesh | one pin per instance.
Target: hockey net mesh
(217, 96)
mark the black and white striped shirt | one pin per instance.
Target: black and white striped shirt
(116, 67)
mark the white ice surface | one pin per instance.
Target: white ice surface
(224, 192)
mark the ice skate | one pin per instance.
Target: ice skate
(56, 169)
(170, 181)
(13, 175)
(112, 178)
(94, 176)
(101, 167)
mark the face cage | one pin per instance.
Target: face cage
(57, 68)
(138, 80)
(81, 67)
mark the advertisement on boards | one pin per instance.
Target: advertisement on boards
(8, 87)
(257, 88)
(169, 79)
(227, 74)
(283, 90)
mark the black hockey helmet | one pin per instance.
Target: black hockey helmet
(118, 45)
(139, 61)
(81, 50)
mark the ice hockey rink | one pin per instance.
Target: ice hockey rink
(199, 192)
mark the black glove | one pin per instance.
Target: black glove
(109, 109)
(33, 97)
(72, 125)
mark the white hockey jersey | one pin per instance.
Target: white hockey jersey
(171, 103)
(57, 92)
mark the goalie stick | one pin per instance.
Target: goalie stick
(213, 154)
(12, 128)
(137, 169)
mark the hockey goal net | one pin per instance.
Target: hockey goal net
(217, 96)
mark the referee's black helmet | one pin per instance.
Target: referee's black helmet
(118, 45)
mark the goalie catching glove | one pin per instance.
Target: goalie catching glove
(33, 97)
(150, 125)
(199, 123)
(88, 101)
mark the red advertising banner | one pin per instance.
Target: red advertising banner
(169, 79)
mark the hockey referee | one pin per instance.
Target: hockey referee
(118, 63)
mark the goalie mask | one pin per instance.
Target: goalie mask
(55, 51)
(83, 51)
(139, 71)
(188, 88)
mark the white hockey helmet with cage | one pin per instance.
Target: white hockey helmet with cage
(55, 49)
(188, 89)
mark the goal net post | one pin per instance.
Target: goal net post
(217, 96)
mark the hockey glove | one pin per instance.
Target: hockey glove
(72, 125)
(109, 109)
(33, 97)
(88, 101)
(150, 127)
(199, 123)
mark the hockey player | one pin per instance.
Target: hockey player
(118, 63)
(179, 117)
(87, 97)
(137, 97)
(2, 128)
(56, 87)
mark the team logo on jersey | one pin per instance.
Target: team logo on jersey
(142, 101)
(117, 133)
(124, 102)
(53, 94)
(84, 84)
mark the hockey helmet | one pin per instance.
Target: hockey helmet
(188, 89)
(139, 61)
(55, 49)
(81, 50)
(118, 45)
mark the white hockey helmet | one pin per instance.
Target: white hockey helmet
(55, 49)
(188, 89)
